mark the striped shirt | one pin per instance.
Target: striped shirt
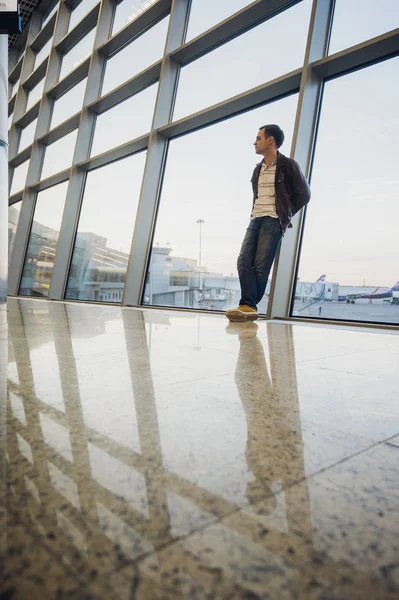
(265, 204)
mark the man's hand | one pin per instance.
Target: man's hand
(289, 226)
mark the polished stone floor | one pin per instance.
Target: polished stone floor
(160, 455)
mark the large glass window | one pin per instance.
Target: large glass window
(58, 156)
(205, 14)
(358, 20)
(104, 236)
(43, 53)
(19, 177)
(137, 56)
(43, 240)
(77, 54)
(35, 94)
(68, 104)
(126, 121)
(80, 11)
(350, 230)
(205, 208)
(239, 65)
(27, 135)
(127, 11)
(13, 218)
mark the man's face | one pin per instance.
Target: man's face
(262, 142)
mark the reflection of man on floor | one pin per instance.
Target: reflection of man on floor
(274, 445)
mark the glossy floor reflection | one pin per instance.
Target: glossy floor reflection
(159, 455)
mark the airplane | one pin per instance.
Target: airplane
(375, 295)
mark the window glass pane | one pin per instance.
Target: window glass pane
(35, 94)
(137, 56)
(19, 177)
(13, 218)
(59, 155)
(49, 15)
(127, 11)
(27, 135)
(105, 231)
(69, 104)
(77, 54)
(351, 222)
(205, 14)
(14, 88)
(125, 122)
(43, 53)
(358, 20)
(80, 11)
(205, 183)
(43, 239)
(237, 66)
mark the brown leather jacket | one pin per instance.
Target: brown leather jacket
(292, 189)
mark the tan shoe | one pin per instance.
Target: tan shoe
(246, 330)
(242, 313)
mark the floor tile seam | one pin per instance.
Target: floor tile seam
(338, 463)
(170, 544)
(322, 470)
(392, 445)
(220, 519)
(308, 419)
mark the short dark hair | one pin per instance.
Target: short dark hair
(276, 132)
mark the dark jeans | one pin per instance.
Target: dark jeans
(258, 250)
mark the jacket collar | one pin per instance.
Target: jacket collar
(280, 160)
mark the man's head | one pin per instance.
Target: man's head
(268, 139)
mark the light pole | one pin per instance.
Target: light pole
(200, 221)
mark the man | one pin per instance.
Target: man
(279, 191)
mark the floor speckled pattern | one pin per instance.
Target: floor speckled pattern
(158, 455)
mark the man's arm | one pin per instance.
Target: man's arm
(300, 187)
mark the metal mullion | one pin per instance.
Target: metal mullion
(73, 37)
(136, 28)
(360, 56)
(36, 75)
(61, 130)
(284, 272)
(44, 184)
(70, 80)
(21, 97)
(15, 198)
(265, 93)
(13, 59)
(37, 150)
(77, 177)
(21, 157)
(15, 72)
(29, 116)
(133, 147)
(154, 167)
(44, 34)
(127, 89)
(247, 18)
